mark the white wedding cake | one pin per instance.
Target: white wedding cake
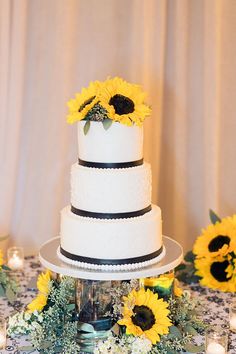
(111, 223)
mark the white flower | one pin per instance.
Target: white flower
(35, 325)
(27, 316)
(17, 324)
(111, 346)
(40, 318)
(141, 345)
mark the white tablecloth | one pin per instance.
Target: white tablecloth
(214, 305)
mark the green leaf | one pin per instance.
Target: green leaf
(189, 329)
(11, 296)
(214, 217)
(174, 332)
(45, 345)
(26, 348)
(191, 348)
(189, 257)
(70, 307)
(5, 267)
(181, 266)
(86, 127)
(2, 290)
(107, 123)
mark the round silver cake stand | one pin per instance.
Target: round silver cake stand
(48, 258)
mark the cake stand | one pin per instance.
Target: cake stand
(48, 257)
(92, 287)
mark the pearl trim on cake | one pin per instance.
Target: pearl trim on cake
(106, 267)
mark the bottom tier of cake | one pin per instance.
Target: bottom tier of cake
(118, 244)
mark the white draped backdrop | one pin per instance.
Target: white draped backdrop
(182, 51)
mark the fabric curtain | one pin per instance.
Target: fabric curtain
(183, 52)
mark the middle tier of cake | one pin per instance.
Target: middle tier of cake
(111, 190)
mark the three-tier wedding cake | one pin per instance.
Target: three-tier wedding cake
(111, 223)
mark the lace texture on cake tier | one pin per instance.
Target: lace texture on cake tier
(98, 191)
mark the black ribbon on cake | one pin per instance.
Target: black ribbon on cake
(126, 215)
(110, 164)
(99, 261)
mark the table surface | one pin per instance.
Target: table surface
(214, 305)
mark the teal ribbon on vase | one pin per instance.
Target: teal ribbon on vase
(90, 333)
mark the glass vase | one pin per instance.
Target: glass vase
(93, 312)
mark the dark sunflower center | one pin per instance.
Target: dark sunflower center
(218, 242)
(122, 104)
(88, 101)
(218, 271)
(143, 317)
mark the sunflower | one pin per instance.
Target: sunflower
(216, 273)
(38, 303)
(178, 291)
(217, 239)
(83, 102)
(124, 102)
(44, 287)
(145, 315)
(231, 219)
(43, 283)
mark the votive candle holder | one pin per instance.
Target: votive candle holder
(15, 257)
(216, 340)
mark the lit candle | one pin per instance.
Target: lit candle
(232, 322)
(215, 348)
(15, 262)
(2, 340)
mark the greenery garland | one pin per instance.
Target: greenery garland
(53, 328)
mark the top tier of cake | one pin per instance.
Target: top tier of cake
(111, 176)
(118, 144)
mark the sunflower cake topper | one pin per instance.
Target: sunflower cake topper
(113, 100)
(213, 260)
